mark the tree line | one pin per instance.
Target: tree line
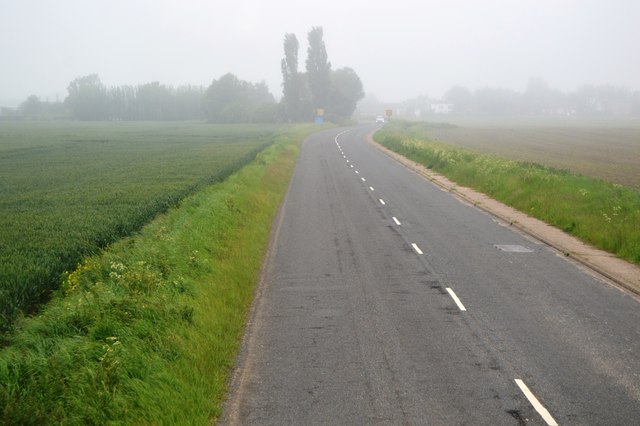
(226, 100)
(538, 98)
(541, 99)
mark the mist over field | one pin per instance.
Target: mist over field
(400, 50)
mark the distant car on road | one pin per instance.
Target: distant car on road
(379, 119)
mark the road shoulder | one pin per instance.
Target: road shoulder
(616, 271)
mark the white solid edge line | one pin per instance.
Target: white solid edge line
(395, 220)
(536, 404)
(416, 248)
(381, 201)
(455, 299)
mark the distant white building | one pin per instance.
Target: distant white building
(442, 108)
(8, 111)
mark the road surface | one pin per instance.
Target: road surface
(386, 300)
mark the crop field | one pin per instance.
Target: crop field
(147, 330)
(69, 189)
(605, 149)
(602, 213)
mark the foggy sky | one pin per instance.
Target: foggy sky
(399, 48)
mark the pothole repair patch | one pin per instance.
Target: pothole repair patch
(513, 248)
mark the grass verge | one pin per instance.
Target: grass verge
(601, 213)
(68, 189)
(147, 332)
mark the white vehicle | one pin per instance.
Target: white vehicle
(379, 119)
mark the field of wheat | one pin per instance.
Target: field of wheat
(69, 189)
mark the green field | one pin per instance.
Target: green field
(602, 213)
(147, 331)
(68, 189)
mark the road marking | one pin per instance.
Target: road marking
(347, 160)
(357, 172)
(363, 179)
(371, 188)
(395, 219)
(416, 248)
(352, 166)
(340, 134)
(381, 201)
(455, 299)
(536, 404)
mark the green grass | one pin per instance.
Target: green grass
(147, 332)
(604, 214)
(68, 189)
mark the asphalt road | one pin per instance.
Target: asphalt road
(388, 301)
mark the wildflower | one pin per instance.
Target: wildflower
(118, 266)
(193, 258)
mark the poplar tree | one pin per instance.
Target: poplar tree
(292, 81)
(318, 69)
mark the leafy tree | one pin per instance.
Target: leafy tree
(225, 100)
(32, 107)
(540, 98)
(87, 99)
(154, 101)
(188, 102)
(497, 101)
(461, 98)
(262, 104)
(318, 69)
(230, 100)
(346, 91)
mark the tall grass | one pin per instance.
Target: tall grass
(68, 189)
(604, 214)
(147, 332)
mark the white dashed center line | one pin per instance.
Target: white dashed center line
(536, 404)
(455, 299)
(357, 172)
(523, 387)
